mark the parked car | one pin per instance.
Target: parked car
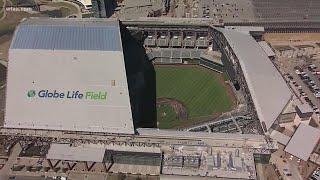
(303, 93)
(286, 172)
(312, 66)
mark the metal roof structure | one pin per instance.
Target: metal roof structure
(268, 90)
(79, 153)
(279, 137)
(68, 74)
(303, 141)
(246, 29)
(136, 3)
(58, 35)
(135, 158)
(188, 134)
(267, 49)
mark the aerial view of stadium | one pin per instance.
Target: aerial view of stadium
(187, 95)
(160, 89)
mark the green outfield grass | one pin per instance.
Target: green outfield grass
(201, 91)
(168, 117)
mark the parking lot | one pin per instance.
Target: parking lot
(219, 10)
(304, 79)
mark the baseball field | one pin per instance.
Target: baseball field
(187, 95)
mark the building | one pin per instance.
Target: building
(86, 3)
(304, 111)
(288, 115)
(103, 8)
(74, 76)
(267, 49)
(250, 69)
(63, 58)
(165, 152)
(303, 142)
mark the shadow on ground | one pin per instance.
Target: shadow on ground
(141, 79)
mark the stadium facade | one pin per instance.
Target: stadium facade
(72, 76)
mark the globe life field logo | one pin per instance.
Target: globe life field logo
(31, 93)
(54, 94)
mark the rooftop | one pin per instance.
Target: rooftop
(63, 34)
(75, 72)
(267, 49)
(188, 134)
(246, 29)
(79, 153)
(303, 141)
(269, 92)
(304, 108)
(279, 137)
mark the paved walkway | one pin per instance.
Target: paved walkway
(6, 170)
(291, 165)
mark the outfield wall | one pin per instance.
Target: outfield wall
(211, 65)
(201, 62)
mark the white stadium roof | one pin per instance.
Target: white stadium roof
(268, 90)
(68, 74)
(303, 141)
(79, 153)
(267, 49)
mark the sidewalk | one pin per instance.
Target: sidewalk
(6, 170)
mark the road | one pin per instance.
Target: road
(280, 160)
(293, 168)
(5, 171)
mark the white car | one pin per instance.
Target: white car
(291, 157)
(312, 66)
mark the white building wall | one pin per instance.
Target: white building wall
(68, 71)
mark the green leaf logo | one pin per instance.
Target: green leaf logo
(31, 93)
